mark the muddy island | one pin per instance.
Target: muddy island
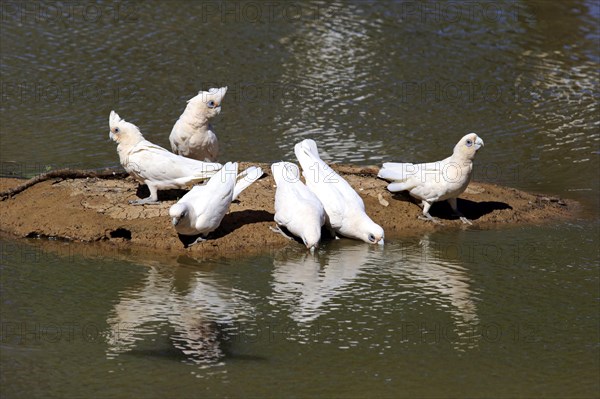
(93, 206)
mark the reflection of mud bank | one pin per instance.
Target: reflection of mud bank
(97, 210)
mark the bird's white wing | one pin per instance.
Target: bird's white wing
(178, 138)
(284, 205)
(334, 180)
(195, 198)
(336, 195)
(322, 181)
(400, 171)
(156, 164)
(308, 211)
(406, 176)
(286, 176)
(295, 204)
(216, 198)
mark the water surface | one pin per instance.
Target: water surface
(504, 313)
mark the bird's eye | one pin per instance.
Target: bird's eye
(211, 104)
(371, 237)
(469, 143)
(116, 130)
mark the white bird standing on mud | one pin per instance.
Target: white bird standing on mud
(436, 181)
(201, 210)
(296, 207)
(344, 208)
(153, 165)
(193, 135)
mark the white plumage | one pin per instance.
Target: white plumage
(296, 207)
(344, 208)
(436, 181)
(192, 135)
(153, 165)
(201, 210)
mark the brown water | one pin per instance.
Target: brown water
(495, 313)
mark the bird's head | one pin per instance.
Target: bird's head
(371, 232)
(122, 131)
(311, 238)
(468, 146)
(207, 104)
(180, 216)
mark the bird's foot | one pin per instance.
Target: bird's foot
(197, 241)
(431, 219)
(462, 217)
(279, 231)
(465, 220)
(145, 201)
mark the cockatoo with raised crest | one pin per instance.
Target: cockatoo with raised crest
(192, 135)
(153, 165)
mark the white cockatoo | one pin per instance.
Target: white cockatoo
(296, 207)
(343, 206)
(193, 135)
(153, 165)
(202, 209)
(436, 181)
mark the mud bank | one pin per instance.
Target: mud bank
(96, 209)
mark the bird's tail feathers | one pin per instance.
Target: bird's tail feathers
(205, 170)
(393, 171)
(223, 177)
(310, 146)
(285, 171)
(245, 179)
(308, 157)
(306, 150)
(401, 186)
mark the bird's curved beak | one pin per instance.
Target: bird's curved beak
(381, 242)
(478, 143)
(312, 247)
(175, 221)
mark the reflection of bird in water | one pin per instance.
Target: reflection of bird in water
(309, 283)
(450, 281)
(197, 316)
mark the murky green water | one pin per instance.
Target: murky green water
(477, 313)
